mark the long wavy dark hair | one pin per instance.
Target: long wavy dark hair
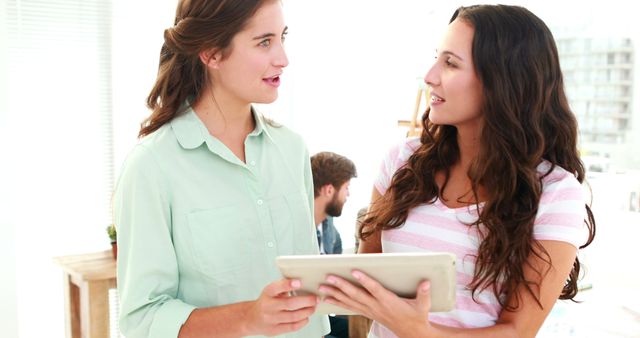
(199, 25)
(527, 119)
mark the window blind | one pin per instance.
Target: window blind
(59, 104)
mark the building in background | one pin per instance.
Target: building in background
(600, 75)
(599, 78)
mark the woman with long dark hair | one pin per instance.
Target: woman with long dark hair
(494, 178)
(215, 192)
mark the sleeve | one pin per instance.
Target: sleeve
(147, 265)
(388, 167)
(338, 247)
(561, 212)
(308, 184)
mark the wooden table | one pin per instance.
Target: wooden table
(87, 280)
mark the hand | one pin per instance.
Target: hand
(276, 312)
(405, 317)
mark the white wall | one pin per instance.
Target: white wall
(8, 308)
(351, 77)
(138, 28)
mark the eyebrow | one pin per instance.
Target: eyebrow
(268, 35)
(447, 52)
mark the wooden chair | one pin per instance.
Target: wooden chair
(359, 326)
(414, 125)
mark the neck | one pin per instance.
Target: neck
(222, 115)
(468, 144)
(318, 213)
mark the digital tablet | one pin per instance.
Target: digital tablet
(398, 272)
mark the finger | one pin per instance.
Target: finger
(281, 287)
(372, 286)
(356, 309)
(346, 286)
(298, 302)
(284, 317)
(423, 296)
(348, 304)
(337, 294)
(291, 327)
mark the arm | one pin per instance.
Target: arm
(408, 318)
(147, 263)
(272, 314)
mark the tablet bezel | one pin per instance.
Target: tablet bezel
(398, 272)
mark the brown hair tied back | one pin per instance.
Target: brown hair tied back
(200, 25)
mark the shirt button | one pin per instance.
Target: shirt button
(270, 244)
(252, 162)
(260, 202)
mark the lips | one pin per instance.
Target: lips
(273, 80)
(436, 99)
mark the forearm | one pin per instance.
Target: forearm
(225, 321)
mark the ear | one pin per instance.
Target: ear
(211, 58)
(327, 190)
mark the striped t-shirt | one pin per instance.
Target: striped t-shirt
(436, 227)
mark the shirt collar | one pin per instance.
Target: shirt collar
(189, 129)
(261, 124)
(192, 133)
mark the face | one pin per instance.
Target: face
(334, 207)
(456, 91)
(250, 72)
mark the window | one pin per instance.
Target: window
(59, 108)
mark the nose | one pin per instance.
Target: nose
(280, 58)
(432, 78)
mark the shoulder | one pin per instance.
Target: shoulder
(398, 154)
(281, 132)
(284, 137)
(152, 150)
(561, 210)
(559, 183)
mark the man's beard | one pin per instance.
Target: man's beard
(334, 208)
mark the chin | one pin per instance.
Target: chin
(266, 99)
(436, 120)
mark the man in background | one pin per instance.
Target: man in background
(332, 175)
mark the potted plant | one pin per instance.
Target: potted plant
(113, 236)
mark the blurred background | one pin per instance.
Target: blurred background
(74, 75)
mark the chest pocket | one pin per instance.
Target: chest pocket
(291, 220)
(221, 240)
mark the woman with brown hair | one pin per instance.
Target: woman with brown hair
(494, 178)
(214, 191)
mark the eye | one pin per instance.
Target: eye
(284, 36)
(265, 43)
(449, 63)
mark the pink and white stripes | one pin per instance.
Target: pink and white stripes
(435, 227)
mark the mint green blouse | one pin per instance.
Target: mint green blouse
(197, 227)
